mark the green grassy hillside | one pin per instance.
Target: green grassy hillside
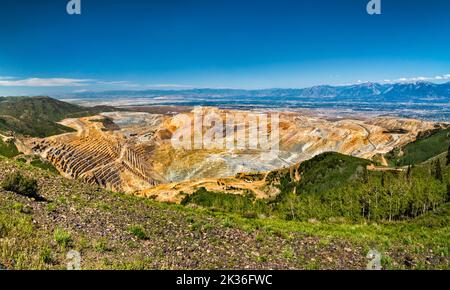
(420, 150)
(329, 171)
(335, 186)
(115, 231)
(37, 116)
(8, 149)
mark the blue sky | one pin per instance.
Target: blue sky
(140, 44)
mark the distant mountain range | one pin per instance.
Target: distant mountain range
(416, 91)
(420, 100)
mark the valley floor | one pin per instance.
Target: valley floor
(116, 231)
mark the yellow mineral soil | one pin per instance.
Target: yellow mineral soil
(136, 155)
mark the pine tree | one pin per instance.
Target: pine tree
(365, 176)
(448, 192)
(448, 157)
(408, 173)
(438, 170)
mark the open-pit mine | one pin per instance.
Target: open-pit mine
(133, 152)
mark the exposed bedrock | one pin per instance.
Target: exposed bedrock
(139, 153)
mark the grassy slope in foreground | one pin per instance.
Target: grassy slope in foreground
(114, 231)
(37, 116)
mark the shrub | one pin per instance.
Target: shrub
(250, 215)
(8, 149)
(138, 232)
(46, 256)
(43, 165)
(101, 245)
(62, 238)
(20, 184)
(247, 205)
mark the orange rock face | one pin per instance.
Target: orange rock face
(140, 156)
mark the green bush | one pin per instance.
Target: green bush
(8, 149)
(46, 256)
(43, 165)
(138, 232)
(20, 184)
(62, 238)
(247, 205)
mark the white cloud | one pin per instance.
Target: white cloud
(169, 86)
(113, 83)
(411, 79)
(415, 79)
(80, 91)
(44, 82)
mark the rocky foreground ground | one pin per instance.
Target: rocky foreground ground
(115, 231)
